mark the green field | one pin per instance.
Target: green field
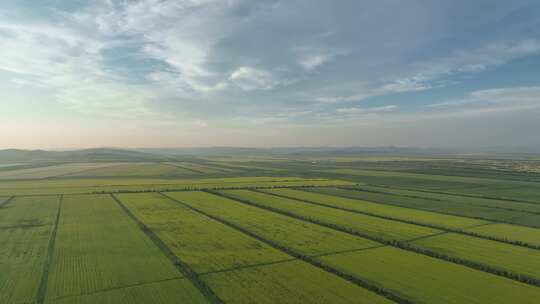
(510, 232)
(427, 280)
(368, 225)
(27, 224)
(99, 248)
(473, 207)
(138, 184)
(306, 238)
(200, 242)
(515, 259)
(222, 257)
(405, 214)
(269, 229)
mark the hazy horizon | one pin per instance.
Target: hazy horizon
(269, 73)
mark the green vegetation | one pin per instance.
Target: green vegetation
(305, 238)
(203, 244)
(510, 232)
(289, 282)
(366, 225)
(514, 259)
(226, 259)
(473, 207)
(99, 248)
(135, 227)
(107, 185)
(27, 224)
(424, 279)
(404, 214)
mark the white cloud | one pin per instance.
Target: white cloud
(356, 110)
(521, 96)
(250, 79)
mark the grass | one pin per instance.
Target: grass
(98, 248)
(510, 232)
(406, 214)
(23, 250)
(372, 226)
(424, 279)
(306, 238)
(487, 209)
(290, 282)
(203, 244)
(515, 259)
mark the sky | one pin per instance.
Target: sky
(266, 73)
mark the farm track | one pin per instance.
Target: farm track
(42, 290)
(459, 231)
(405, 245)
(182, 267)
(359, 282)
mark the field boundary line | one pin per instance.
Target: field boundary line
(118, 288)
(5, 202)
(182, 267)
(182, 167)
(249, 266)
(390, 218)
(352, 279)
(405, 245)
(42, 289)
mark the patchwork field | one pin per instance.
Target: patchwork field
(203, 231)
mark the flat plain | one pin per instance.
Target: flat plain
(269, 229)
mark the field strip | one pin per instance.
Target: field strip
(149, 190)
(362, 283)
(116, 288)
(182, 167)
(180, 266)
(439, 227)
(82, 171)
(190, 182)
(394, 243)
(440, 200)
(42, 290)
(463, 194)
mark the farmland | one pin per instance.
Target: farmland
(269, 230)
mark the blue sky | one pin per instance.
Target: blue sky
(178, 73)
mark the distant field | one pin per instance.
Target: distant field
(93, 185)
(51, 171)
(318, 229)
(487, 209)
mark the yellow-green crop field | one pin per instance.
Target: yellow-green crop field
(190, 231)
